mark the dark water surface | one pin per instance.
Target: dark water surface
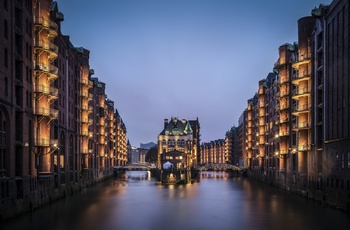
(217, 202)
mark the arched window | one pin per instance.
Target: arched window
(178, 142)
(169, 142)
(164, 142)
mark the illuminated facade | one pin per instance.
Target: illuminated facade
(214, 152)
(57, 127)
(302, 99)
(297, 125)
(285, 135)
(181, 136)
(45, 30)
(122, 148)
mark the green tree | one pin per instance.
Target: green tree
(152, 155)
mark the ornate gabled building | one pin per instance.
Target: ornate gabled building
(180, 135)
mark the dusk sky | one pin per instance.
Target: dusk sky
(182, 58)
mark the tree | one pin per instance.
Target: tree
(152, 155)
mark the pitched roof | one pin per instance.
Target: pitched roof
(177, 127)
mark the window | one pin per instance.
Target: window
(2, 144)
(6, 86)
(6, 58)
(5, 29)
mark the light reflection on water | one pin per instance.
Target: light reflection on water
(217, 202)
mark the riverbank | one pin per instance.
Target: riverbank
(46, 194)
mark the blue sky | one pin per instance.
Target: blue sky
(182, 58)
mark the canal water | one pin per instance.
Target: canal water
(217, 201)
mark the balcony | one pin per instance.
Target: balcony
(304, 147)
(87, 82)
(84, 133)
(46, 142)
(50, 70)
(85, 108)
(51, 27)
(301, 126)
(86, 121)
(283, 80)
(303, 59)
(101, 140)
(284, 133)
(284, 106)
(84, 151)
(262, 143)
(47, 112)
(47, 47)
(50, 91)
(297, 78)
(301, 109)
(84, 94)
(303, 92)
(284, 120)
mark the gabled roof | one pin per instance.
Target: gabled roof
(177, 127)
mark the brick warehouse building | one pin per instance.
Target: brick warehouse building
(297, 127)
(58, 130)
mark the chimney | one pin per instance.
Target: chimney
(165, 123)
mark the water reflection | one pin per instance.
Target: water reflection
(218, 201)
(215, 175)
(138, 175)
